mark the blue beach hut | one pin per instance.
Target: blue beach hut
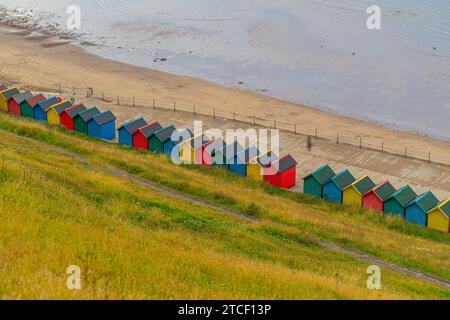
(126, 130)
(103, 126)
(40, 110)
(417, 210)
(333, 189)
(240, 160)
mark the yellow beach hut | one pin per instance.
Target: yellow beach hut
(55, 110)
(353, 194)
(439, 217)
(5, 95)
(190, 150)
(255, 167)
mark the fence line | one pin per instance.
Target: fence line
(196, 109)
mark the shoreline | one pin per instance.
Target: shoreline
(27, 22)
(69, 64)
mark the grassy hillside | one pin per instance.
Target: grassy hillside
(60, 205)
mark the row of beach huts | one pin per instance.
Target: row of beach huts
(266, 166)
(344, 188)
(138, 133)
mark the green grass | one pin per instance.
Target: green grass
(133, 242)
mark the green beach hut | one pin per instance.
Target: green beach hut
(314, 182)
(27, 106)
(396, 204)
(159, 138)
(80, 122)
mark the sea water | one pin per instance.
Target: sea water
(316, 52)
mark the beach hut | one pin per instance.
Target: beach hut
(439, 217)
(3, 87)
(241, 160)
(282, 173)
(15, 101)
(54, 112)
(353, 194)
(142, 135)
(257, 166)
(80, 122)
(213, 152)
(374, 198)
(103, 126)
(40, 110)
(126, 130)
(69, 114)
(191, 149)
(333, 189)
(161, 140)
(231, 150)
(27, 106)
(396, 204)
(315, 181)
(417, 210)
(5, 95)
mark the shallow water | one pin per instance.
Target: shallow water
(317, 52)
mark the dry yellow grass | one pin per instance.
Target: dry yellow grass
(132, 242)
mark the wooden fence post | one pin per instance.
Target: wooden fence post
(234, 115)
(274, 124)
(193, 110)
(174, 106)
(382, 145)
(295, 129)
(429, 157)
(134, 102)
(118, 100)
(337, 138)
(154, 104)
(316, 133)
(214, 113)
(360, 142)
(405, 152)
(254, 120)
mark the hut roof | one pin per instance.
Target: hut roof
(7, 94)
(248, 154)
(404, 195)
(445, 207)
(60, 107)
(87, 115)
(165, 134)
(133, 125)
(104, 117)
(265, 159)
(3, 87)
(343, 179)
(21, 97)
(426, 201)
(285, 163)
(150, 129)
(363, 184)
(197, 141)
(322, 175)
(182, 135)
(33, 101)
(75, 110)
(384, 190)
(47, 103)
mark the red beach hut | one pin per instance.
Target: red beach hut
(282, 172)
(143, 134)
(374, 199)
(15, 101)
(69, 114)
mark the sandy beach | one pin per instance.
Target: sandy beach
(38, 63)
